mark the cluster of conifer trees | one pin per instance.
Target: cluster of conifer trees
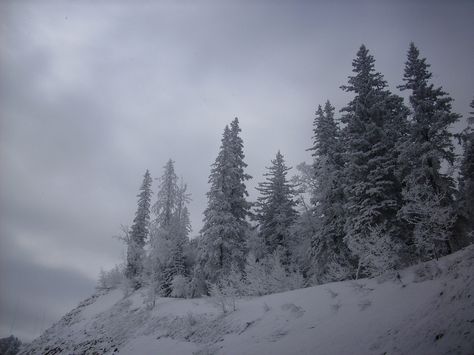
(382, 195)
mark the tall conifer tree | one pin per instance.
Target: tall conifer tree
(222, 242)
(139, 231)
(428, 191)
(170, 230)
(330, 257)
(374, 121)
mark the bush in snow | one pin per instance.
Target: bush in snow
(180, 287)
(112, 279)
(225, 291)
(378, 254)
(270, 276)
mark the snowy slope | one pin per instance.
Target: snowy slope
(428, 310)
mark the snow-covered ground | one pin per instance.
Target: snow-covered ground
(429, 309)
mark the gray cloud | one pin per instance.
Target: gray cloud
(92, 94)
(33, 296)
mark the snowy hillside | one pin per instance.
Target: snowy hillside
(429, 309)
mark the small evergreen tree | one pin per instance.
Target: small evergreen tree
(275, 208)
(139, 232)
(427, 146)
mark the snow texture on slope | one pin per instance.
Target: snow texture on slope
(426, 309)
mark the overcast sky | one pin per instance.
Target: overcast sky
(93, 93)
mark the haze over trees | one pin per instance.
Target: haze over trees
(380, 194)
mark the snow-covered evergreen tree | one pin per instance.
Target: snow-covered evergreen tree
(139, 232)
(170, 231)
(222, 241)
(167, 196)
(240, 207)
(465, 200)
(427, 146)
(275, 208)
(374, 123)
(330, 257)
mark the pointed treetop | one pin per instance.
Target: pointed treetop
(416, 70)
(366, 78)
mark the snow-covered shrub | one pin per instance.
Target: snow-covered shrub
(111, 279)
(270, 276)
(432, 220)
(225, 291)
(281, 279)
(378, 254)
(180, 286)
(255, 277)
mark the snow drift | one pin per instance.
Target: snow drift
(425, 309)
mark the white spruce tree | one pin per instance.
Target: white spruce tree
(139, 232)
(428, 191)
(374, 122)
(275, 209)
(330, 257)
(222, 242)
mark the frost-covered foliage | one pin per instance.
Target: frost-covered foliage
(180, 287)
(260, 277)
(431, 220)
(380, 253)
(139, 232)
(275, 208)
(170, 230)
(223, 235)
(270, 275)
(112, 279)
(225, 291)
(425, 149)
